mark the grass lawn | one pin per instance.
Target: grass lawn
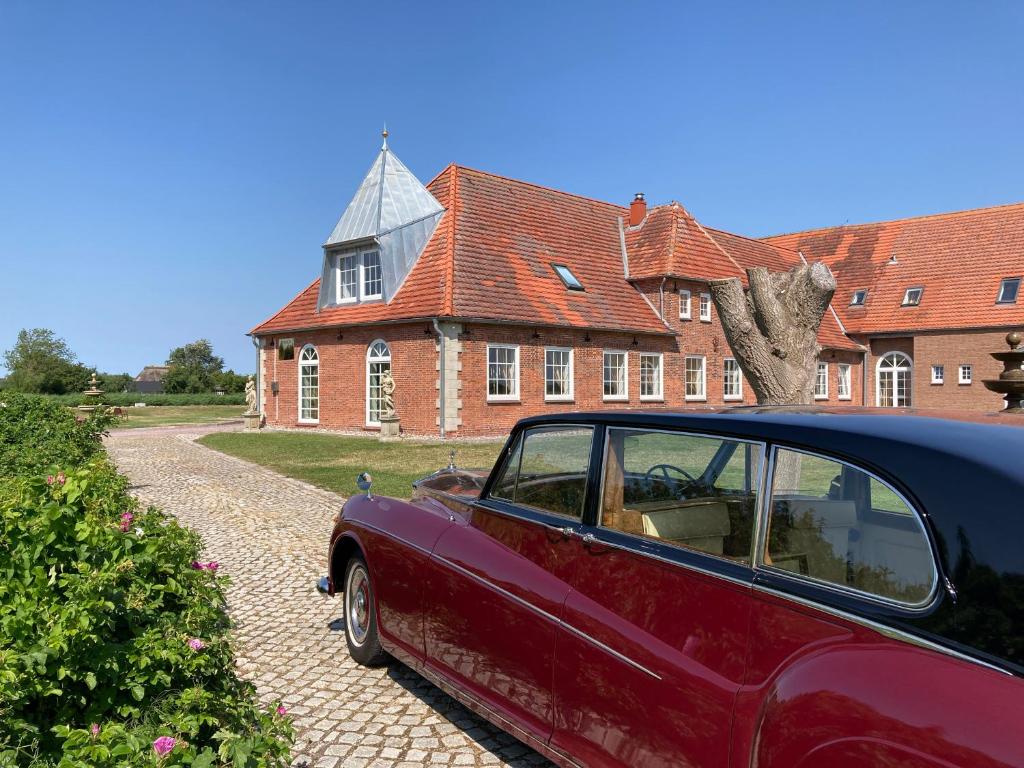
(333, 461)
(168, 415)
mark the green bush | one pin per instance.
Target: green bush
(113, 637)
(36, 432)
(130, 398)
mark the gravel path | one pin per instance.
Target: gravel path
(270, 535)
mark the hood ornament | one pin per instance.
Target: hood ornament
(451, 460)
(363, 481)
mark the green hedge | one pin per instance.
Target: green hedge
(114, 644)
(130, 398)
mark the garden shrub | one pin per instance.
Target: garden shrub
(153, 399)
(114, 647)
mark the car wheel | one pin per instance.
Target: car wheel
(360, 618)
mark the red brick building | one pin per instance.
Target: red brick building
(929, 298)
(490, 299)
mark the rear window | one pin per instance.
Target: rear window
(834, 523)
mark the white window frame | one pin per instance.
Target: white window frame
(568, 397)
(820, 394)
(370, 422)
(701, 396)
(1002, 289)
(361, 270)
(906, 296)
(905, 363)
(705, 303)
(660, 395)
(845, 375)
(510, 398)
(299, 388)
(967, 368)
(862, 292)
(625, 375)
(938, 374)
(685, 304)
(738, 395)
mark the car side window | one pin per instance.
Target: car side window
(687, 490)
(547, 470)
(835, 523)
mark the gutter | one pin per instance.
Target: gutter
(442, 394)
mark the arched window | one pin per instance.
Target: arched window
(378, 360)
(893, 381)
(309, 384)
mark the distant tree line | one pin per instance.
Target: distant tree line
(40, 362)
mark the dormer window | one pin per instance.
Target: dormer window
(359, 276)
(567, 277)
(858, 298)
(1009, 288)
(912, 297)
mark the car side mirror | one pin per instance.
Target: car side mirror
(363, 482)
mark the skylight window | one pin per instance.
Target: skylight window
(857, 300)
(912, 297)
(570, 280)
(1009, 289)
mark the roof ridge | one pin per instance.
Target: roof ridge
(717, 245)
(620, 208)
(448, 300)
(941, 215)
(755, 240)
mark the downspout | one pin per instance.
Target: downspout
(661, 298)
(864, 378)
(442, 395)
(259, 373)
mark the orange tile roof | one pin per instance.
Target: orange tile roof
(490, 259)
(959, 258)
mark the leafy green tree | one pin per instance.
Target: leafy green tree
(193, 368)
(41, 362)
(116, 382)
(230, 382)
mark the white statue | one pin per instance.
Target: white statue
(387, 391)
(250, 395)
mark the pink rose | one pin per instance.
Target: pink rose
(94, 729)
(196, 644)
(163, 745)
(197, 566)
(213, 565)
(126, 521)
(61, 478)
(49, 479)
(281, 710)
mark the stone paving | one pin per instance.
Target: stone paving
(270, 535)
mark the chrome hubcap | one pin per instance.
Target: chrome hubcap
(357, 605)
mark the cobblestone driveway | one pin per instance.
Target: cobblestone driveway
(269, 533)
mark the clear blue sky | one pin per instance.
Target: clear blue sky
(168, 171)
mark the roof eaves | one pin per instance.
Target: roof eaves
(448, 303)
(255, 330)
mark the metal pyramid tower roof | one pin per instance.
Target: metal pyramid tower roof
(389, 198)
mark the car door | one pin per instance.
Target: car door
(500, 577)
(653, 642)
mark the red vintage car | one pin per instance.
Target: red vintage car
(752, 587)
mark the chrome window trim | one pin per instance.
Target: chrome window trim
(598, 526)
(765, 514)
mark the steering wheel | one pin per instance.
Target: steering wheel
(671, 482)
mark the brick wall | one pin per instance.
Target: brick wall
(343, 377)
(949, 349)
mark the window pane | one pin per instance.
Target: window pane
(732, 378)
(705, 306)
(348, 277)
(835, 523)
(844, 380)
(1009, 289)
(373, 284)
(690, 491)
(821, 381)
(553, 470)
(558, 373)
(614, 374)
(309, 385)
(695, 377)
(650, 375)
(684, 304)
(505, 486)
(501, 372)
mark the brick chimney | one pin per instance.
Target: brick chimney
(637, 209)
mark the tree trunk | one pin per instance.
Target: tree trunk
(773, 328)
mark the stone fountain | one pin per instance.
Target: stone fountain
(92, 396)
(1011, 380)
